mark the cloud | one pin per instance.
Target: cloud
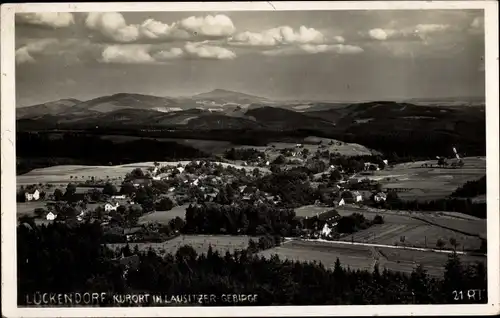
(127, 54)
(314, 49)
(283, 35)
(25, 53)
(476, 27)
(477, 23)
(113, 26)
(150, 54)
(339, 39)
(168, 54)
(419, 31)
(381, 34)
(213, 26)
(50, 19)
(208, 51)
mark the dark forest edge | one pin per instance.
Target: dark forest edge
(95, 268)
(35, 149)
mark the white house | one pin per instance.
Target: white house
(32, 196)
(357, 196)
(122, 196)
(51, 216)
(180, 169)
(379, 197)
(386, 162)
(156, 178)
(110, 207)
(341, 202)
(155, 171)
(327, 229)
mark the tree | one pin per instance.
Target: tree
(420, 285)
(135, 174)
(440, 244)
(21, 195)
(165, 204)
(454, 243)
(279, 160)
(453, 275)
(378, 219)
(127, 188)
(134, 213)
(109, 189)
(58, 195)
(402, 239)
(70, 190)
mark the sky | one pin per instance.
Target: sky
(312, 55)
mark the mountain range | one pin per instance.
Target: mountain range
(223, 109)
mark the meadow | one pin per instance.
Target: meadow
(363, 257)
(428, 183)
(164, 216)
(71, 173)
(420, 229)
(201, 243)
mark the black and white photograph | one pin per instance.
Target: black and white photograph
(166, 157)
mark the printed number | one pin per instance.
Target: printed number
(458, 295)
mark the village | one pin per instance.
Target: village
(150, 204)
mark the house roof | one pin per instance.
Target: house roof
(132, 230)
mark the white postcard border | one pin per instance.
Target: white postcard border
(8, 163)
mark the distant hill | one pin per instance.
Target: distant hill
(280, 118)
(50, 108)
(228, 96)
(363, 123)
(123, 100)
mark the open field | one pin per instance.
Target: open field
(27, 208)
(405, 260)
(429, 183)
(164, 216)
(311, 210)
(69, 173)
(420, 229)
(356, 257)
(272, 150)
(363, 257)
(200, 243)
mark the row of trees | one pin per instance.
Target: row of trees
(46, 252)
(471, 189)
(293, 187)
(448, 204)
(247, 154)
(243, 219)
(76, 147)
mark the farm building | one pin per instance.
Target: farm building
(371, 166)
(180, 169)
(111, 207)
(379, 197)
(117, 197)
(142, 182)
(32, 195)
(51, 216)
(357, 196)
